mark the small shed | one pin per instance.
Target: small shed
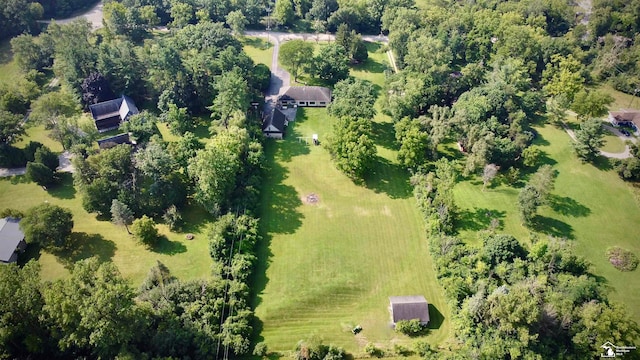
(11, 240)
(409, 308)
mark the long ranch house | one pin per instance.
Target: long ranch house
(314, 96)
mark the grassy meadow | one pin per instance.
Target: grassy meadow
(331, 265)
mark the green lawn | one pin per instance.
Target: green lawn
(621, 100)
(9, 70)
(329, 266)
(332, 265)
(612, 143)
(591, 207)
(258, 49)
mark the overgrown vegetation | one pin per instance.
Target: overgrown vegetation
(622, 259)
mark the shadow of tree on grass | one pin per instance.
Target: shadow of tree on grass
(82, 245)
(553, 227)
(389, 178)
(64, 188)
(168, 247)
(479, 219)
(383, 134)
(567, 206)
(291, 146)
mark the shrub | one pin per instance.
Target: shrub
(622, 259)
(48, 158)
(409, 327)
(422, 348)
(401, 350)
(11, 157)
(144, 229)
(373, 350)
(12, 213)
(260, 349)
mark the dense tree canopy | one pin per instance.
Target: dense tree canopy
(47, 225)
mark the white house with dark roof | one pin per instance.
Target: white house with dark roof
(108, 115)
(11, 240)
(313, 96)
(409, 308)
(275, 124)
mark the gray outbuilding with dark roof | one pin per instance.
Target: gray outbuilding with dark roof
(409, 308)
(11, 240)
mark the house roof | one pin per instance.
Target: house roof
(277, 119)
(409, 307)
(626, 115)
(307, 93)
(121, 108)
(10, 237)
(116, 140)
(127, 108)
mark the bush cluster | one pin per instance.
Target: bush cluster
(622, 259)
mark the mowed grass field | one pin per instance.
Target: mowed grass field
(328, 266)
(590, 206)
(333, 264)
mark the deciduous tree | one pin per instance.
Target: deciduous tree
(145, 231)
(48, 225)
(297, 55)
(351, 147)
(11, 129)
(93, 310)
(331, 65)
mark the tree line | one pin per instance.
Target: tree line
(95, 312)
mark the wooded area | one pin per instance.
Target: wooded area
(476, 76)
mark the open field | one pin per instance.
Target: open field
(591, 207)
(332, 265)
(329, 266)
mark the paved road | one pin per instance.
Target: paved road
(626, 153)
(94, 15)
(623, 155)
(65, 166)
